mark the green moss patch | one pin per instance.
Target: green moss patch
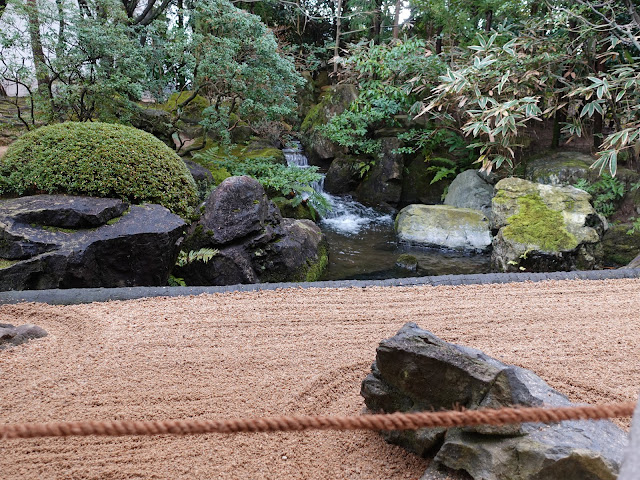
(317, 268)
(4, 263)
(536, 224)
(99, 160)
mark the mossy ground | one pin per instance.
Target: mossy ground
(536, 224)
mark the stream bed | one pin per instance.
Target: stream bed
(363, 244)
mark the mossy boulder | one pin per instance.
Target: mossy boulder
(192, 112)
(544, 228)
(442, 226)
(99, 160)
(560, 168)
(333, 101)
(619, 247)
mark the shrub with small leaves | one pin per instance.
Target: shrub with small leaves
(100, 160)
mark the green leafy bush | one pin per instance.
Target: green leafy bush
(606, 192)
(100, 160)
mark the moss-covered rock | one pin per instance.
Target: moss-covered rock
(619, 247)
(544, 228)
(302, 211)
(560, 168)
(192, 111)
(333, 101)
(100, 160)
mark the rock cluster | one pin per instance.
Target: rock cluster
(60, 241)
(416, 371)
(251, 240)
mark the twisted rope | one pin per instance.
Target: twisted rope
(393, 421)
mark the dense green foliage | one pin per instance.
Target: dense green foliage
(290, 183)
(101, 160)
(606, 193)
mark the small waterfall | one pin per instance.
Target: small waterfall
(346, 215)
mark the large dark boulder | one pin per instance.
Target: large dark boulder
(237, 208)
(342, 176)
(417, 371)
(59, 241)
(251, 240)
(383, 183)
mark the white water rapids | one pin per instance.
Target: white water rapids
(346, 216)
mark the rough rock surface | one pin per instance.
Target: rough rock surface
(341, 177)
(620, 248)
(443, 226)
(470, 190)
(383, 182)
(201, 175)
(11, 336)
(334, 101)
(416, 183)
(415, 371)
(560, 168)
(253, 241)
(59, 241)
(544, 228)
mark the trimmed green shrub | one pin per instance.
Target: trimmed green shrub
(100, 160)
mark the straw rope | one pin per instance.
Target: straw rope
(393, 421)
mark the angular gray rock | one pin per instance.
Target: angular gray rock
(470, 190)
(631, 466)
(416, 371)
(442, 226)
(11, 336)
(253, 241)
(45, 243)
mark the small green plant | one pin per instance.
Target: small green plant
(176, 281)
(364, 167)
(606, 192)
(203, 255)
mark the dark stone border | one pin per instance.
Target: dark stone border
(74, 296)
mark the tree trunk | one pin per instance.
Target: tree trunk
(439, 41)
(488, 21)
(376, 24)
(336, 51)
(396, 20)
(39, 59)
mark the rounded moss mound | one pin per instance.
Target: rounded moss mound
(100, 160)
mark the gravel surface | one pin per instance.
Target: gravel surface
(283, 352)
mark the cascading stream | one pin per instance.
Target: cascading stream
(346, 215)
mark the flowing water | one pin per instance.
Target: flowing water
(363, 244)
